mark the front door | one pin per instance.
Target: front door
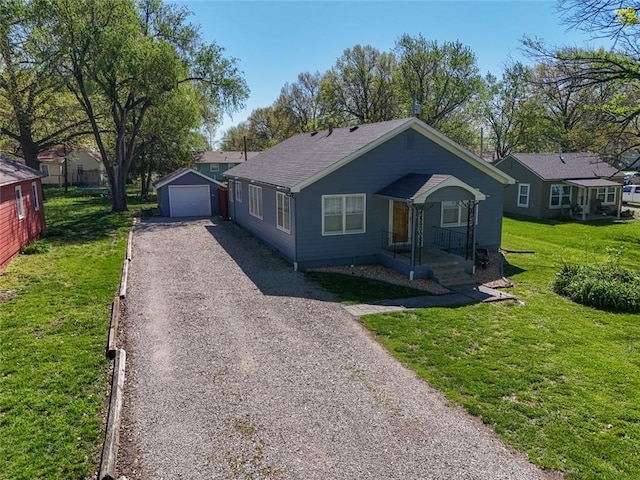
(583, 200)
(399, 223)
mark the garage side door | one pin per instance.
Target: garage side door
(189, 201)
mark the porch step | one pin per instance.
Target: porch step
(450, 274)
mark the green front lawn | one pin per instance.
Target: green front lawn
(557, 380)
(54, 320)
(351, 289)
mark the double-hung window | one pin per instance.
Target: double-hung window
(214, 167)
(19, 202)
(238, 191)
(523, 195)
(607, 195)
(283, 205)
(255, 201)
(560, 196)
(455, 213)
(343, 214)
(34, 196)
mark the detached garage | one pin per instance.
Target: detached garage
(188, 193)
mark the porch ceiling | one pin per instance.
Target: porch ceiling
(593, 183)
(415, 188)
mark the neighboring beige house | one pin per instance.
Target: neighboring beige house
(84, 168)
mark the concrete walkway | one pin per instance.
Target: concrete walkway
(464, 295)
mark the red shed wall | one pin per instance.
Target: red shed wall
(16, 233)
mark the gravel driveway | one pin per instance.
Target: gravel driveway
(238, 368)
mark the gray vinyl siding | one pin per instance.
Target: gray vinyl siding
(266, 229)
(187, 179)
(538, 198)
(409, 152)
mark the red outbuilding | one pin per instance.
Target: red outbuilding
(21, 208)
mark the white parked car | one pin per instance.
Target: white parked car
(631, 193)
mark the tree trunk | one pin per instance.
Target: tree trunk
(119, 187)
(30, 150)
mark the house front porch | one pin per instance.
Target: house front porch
(432, 221)
(445, 267)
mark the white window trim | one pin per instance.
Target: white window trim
(34, 193)
(255, 201)
(19, 202)
(344, 214)
(462, 222)
(44, 169)
(214, 167)
(561, 205)
(287, 199)
(607, 190)
(520, 194)
(238, 192)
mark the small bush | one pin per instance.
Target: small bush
(607, 287)
(35, 247)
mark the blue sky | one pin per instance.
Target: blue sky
(274, 41)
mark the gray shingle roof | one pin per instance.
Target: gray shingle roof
(305, 155)
(412, 186)
(560, 166)
(223, 157)
(12, 171)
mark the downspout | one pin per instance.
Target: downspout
(294, 228)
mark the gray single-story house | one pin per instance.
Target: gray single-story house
(395, 193)
(188, 193)
(548, 184)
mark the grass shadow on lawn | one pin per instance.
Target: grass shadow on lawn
(353, 290)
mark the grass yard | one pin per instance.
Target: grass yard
(351, 290)
(555, 379)
(54, 320)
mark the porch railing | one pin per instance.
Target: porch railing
(449, 241)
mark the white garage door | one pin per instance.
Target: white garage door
(189, 201)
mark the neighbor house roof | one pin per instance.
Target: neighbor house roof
(416, 187)
(179, 173)
(560, 166)
(57, 155)
(307, 157)
(12, 171)
(593, 182)
(223, 157)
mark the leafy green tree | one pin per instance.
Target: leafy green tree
(503, 109)
(234, 138)
(36, 113)
(442, 79)
(360, 86)
(303, 104)
(121, 58)
(616, 70)
(268, 127)
(168, 137)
